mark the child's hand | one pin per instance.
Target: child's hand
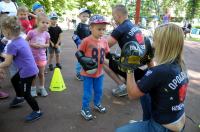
(52, 44)
(32, 15)
(44, 45)
(35, 45)
(57, 46)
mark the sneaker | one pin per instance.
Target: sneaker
(79, 77)
(34, 116)
(120, 91)
(59, 65)
(100, 108)
(132, 121)
(33, 92)
(43, 92)
(86, 113)
(51, 67)
(3, 95)
(17, 102)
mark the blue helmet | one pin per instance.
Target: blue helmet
(36, 6)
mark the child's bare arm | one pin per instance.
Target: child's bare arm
(32, 15)
(51, 43)
(7, 62)
(59, 40)
(35, 45)
(46, 45)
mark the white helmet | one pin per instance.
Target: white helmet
(53, 15)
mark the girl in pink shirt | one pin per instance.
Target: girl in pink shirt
(39, 40)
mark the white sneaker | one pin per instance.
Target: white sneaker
(43, 92)
(120, 91)
(33, 92)
(132, 121)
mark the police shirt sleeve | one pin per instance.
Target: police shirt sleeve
(149, 81)
(116, 34)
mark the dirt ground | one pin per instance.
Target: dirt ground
(62, 109)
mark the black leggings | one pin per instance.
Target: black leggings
(22, 88)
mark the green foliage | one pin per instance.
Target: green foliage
(193, 9)
(97, 6)
(197, 27)
(104, 7)
(177, 19)
(52, 5)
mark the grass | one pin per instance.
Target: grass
(193, 39)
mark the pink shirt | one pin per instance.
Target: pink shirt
(42, 38)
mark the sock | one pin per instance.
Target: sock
(41, 87)
(38, 111)
(33, 87)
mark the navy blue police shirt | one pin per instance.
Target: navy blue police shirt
(167, 86)
(82, 30)
(127, 32)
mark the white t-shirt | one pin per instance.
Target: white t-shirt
(8, 7)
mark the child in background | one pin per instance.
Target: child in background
(3, 42)
(37, 8)
(39, 40)
(95, 47)
(22, 13)
(18, 52)
(80, 33)
(166, 17)
(55, 42)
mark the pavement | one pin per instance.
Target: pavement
(62, 109)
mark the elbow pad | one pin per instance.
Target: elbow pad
(76, 39)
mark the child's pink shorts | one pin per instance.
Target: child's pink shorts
(41, 63)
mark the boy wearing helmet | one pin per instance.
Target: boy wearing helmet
(93, 49)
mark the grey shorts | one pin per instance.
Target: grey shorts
(54, 50)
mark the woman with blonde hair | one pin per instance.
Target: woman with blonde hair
(166, 84)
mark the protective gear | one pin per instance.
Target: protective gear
(131, 54)
(88, 64)
(76, 39)
(36, 6)
(112, 56)
(53, 15)
(83, 10)
(149, 51)
(98, 19)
